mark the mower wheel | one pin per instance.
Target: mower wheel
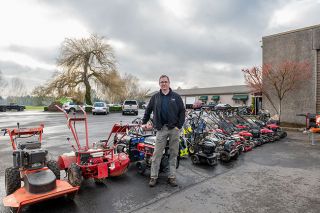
(224, 156)
(53, 166)
(211, 162)
(241, 149)
(283, 135)
(12, 180)
(191, 150)
(235, 157)
(74, 175)
(195, 159)
(121, 148)
(141, 167)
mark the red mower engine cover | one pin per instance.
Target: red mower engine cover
(119, 165)
(272, 126)
(247, 148)
(66, 159)
(245, 134)
(145, 148)
(265, 131)
(241, 126)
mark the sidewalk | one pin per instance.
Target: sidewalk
(279, 177)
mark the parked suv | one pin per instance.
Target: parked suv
(100, 108)
(130, 107)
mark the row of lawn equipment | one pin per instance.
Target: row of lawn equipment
(207, 136)
(41, 177)
(225, 134)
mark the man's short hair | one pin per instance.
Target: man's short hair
(164, 76)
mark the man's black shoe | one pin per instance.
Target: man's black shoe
(172, 182)
(152, 182)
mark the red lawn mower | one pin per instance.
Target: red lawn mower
(99, 161)
(41, 177)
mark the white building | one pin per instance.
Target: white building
(238, 95)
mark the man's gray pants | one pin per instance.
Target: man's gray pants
(161, 141)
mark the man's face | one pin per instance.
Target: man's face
(164, 83)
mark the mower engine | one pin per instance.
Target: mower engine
(147, 148)
(29, 156)
(29, 159)
(207, 147)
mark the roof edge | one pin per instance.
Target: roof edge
(291, 31)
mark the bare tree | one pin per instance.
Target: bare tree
(132, 88)
(84, 62)
(17, 87)
(278, 80)
(3, 85)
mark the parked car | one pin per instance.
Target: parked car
(12, 106)
(130, 107)
(70, 107)
(100, 108)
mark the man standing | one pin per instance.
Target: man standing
(168, 118)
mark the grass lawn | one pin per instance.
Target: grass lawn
(35, 108)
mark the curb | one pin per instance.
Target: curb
(293, 129)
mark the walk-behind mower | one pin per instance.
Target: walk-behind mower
(41, 177)
(99, 161)
(140, 146)
(201, 148)
(204, 151)
(146, 148)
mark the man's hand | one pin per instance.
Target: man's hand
(176, 128)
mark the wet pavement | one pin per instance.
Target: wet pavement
(278, 177)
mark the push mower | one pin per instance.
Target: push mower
(146, 149)
(41, 177)
(99, 161)
(130, 138)
(202, 149)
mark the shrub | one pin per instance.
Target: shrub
(88, 109)
(52, 108)
(115, 109)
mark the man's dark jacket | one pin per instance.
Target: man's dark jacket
(176, 110)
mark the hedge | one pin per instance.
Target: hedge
(115, 108)
(88, 109)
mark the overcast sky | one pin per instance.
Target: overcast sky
(203, 43)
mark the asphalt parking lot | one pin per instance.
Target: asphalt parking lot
(278, 177)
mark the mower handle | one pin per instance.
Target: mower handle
(5, 131)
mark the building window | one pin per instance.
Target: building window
(240, 102)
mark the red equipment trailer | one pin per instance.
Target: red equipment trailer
(40, 177)
(98, 161)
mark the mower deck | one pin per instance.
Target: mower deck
(22, 198)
